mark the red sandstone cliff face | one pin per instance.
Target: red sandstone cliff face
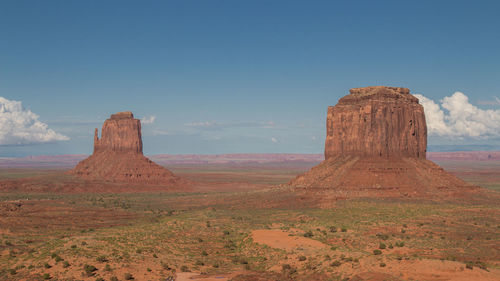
(376, 147)
(118, 155)
(120, 133)
(376, 121)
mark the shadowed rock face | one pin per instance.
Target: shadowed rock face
(376, 147)
(376, 121)
(118, 155)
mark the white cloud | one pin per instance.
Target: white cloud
(206, 124)
(20, 126)
(495, 101)
(457, 117)
(148, 120)
(273, 139)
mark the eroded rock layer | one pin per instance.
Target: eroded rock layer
(118, 155)
(376, 146)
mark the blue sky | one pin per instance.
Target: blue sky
(237, 76)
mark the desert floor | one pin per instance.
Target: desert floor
(237, 223)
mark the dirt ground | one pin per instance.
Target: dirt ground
(237, 223)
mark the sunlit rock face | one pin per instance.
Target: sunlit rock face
(376, 121)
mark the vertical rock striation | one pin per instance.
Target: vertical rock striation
(376, 121)
(118, 155)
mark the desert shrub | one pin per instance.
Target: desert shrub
(101, 259)
(469, 265)
(403, 230)
(139, 251)
(302, 258)
(107, 268)
(215, 265)
(382, 236)
(8, 243)
(200, 240)
(66, 264)
(208, 224)
(128, 276)
(481, 265)
(46, 276)
(381, 246)
(333, 229)
(204, 253)
(336, 263)
(288, 269)
(89, 270)
(155, 256)
(405, 226)
(148, 269)
(199, 263)
(84, 243)
(58, 259)
(382, 264)
(343, 229)
(377, 252)
(73, 246)
(184, 268)
(113, 278)
(226, 232)
(308, 234)
(46, 265)
(165, 266)
(99, 279)
(54, 255)
(12, 271)
(400, 244)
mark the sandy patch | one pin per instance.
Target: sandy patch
(188, 276)
(279, 239)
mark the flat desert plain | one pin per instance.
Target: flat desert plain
(239, 221)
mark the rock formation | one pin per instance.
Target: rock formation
(376, 146)
(376, 121)
(118, 155)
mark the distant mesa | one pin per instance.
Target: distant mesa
(118, 155)
(376, 146)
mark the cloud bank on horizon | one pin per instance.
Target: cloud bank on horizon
(19, 126)
(148, 120)
(456, 117)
